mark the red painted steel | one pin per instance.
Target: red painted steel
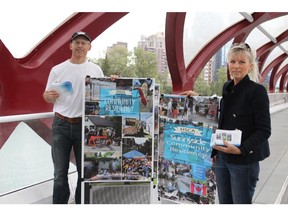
(263, 52)
(22, 81)
(281, 73)
(174, 49)
(275, 63)
(184, 79)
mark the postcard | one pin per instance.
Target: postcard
(231, 136)
(64, 88)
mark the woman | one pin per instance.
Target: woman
(244, 106)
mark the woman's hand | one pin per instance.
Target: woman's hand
(189, 93)
(228, 148)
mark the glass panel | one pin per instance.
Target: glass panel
(276, 26)
(274, 54)
(256, 39)
(22, 30)
(20, 37)
(25, 155)
(200, 28)
(285, 45)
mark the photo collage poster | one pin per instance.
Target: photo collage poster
(156, 132)
(118, 129)
(185, 172)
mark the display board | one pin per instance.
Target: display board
(185, 172)
(118, 129)
(156, 134)
(132, 135)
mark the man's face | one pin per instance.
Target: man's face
(80, 46)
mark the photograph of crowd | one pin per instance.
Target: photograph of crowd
(197, 108)
(99, 166)
(137, 158)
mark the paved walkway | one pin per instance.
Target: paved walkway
(273, 180)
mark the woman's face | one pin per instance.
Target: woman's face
(239, 66)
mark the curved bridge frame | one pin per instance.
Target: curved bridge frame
(22, 81)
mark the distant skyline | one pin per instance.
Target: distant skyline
(129, 29)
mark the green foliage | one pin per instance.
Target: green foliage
(202, 87)
(117, 61)
(145, 63)
(142, 64)
(165, 83)
(221, 79)
(215, 87)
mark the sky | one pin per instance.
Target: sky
(23, 24)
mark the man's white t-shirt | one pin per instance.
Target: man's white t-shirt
(71, 105)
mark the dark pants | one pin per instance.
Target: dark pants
(65, 137)
(236, 183)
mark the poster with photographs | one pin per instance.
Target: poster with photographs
(185, 172)
(156, 131)
(118, 129)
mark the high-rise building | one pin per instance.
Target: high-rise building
(208, 71)
(215, 63)
(220, 59)
(156, 44)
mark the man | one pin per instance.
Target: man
(67, 123)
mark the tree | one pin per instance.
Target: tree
(202, 87)
(116, 62)
(221, 79)
(117, 58)
(215, 87)
(139, 63)
(103, 63)
(165, 83)
(145, 63)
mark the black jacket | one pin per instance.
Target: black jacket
(245, 106)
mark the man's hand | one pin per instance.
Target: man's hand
(50, 96)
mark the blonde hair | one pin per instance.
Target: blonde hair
(244, 48)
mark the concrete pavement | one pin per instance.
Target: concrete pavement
(273, 180)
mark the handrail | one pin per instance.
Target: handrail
(20, 118)
(23, 117)
(31, 185)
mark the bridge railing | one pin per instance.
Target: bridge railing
(25, 154)
(278, 98)
(26, 173)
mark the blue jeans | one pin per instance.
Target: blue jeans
(236, 183)
(65, 137)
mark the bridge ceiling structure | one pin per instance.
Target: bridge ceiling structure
(23, 80)
(184, 75)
